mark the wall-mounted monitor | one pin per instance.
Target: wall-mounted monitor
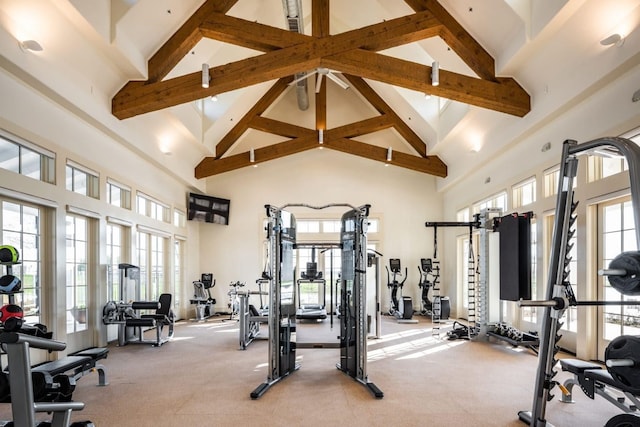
(208, 209)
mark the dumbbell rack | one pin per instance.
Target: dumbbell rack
(11, 297)
(9, 270)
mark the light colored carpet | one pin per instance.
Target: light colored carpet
(202, 379)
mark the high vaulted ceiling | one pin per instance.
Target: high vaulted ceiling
(288, 53)
(507, 67)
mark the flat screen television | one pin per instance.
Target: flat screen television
(208, 209)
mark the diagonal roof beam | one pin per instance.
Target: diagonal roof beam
(213, 166)
(383, 108)
(503, 94)
(431, 164)
(183, 40)
(136, 98)
(243, 124)
(458, 39)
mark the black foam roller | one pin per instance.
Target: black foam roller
(628, 284)
(625, 347)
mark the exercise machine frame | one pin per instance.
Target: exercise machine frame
(556, 290)
(353, 318)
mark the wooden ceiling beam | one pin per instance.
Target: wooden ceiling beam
(504, 94)
(252, 35)
(276, 127)
(136, 99)
(360, 128)
(183, 40)
(379, 104)
(210, 166)
(243, 124)
(458, 39)
(320, 28)
(430, 165)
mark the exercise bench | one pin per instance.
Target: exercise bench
(77, 365)
(593, 380)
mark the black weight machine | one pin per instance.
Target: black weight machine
(312, 311)
(204, 303)
(401, 308)
(23, 407)
(425, 269)
(622, 354)
(281, 232)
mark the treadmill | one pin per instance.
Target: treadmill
(317, 311)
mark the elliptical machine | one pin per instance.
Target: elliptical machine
(425, 269)
(401, 309)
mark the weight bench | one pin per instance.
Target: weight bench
(75, 366)
(593, 380)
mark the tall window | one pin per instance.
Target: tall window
(617, 235)
(143, 263)
(19, 156)
(114, 257)
(529, 314)
(82, 180)
(21, 229)
(157, 285)
(77, 265)
(151, 260)
(178, 271)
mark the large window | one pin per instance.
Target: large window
(21, 228)
(21, 157)
(114, 258)
(529, 314)
(151, 260)
(77, 273)
(82, 180)
(617, 235)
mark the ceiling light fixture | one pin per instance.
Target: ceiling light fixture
(614, 39)
(427, 96)
(389, 154)
(205, 75)
(252, 156)
(435, 73)
(214, 98)
(320, 136)
(30, 46)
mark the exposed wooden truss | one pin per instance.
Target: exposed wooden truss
(354, 53)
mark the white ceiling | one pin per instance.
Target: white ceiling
(91, 49)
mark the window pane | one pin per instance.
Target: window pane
(9, 156)
(30, 161)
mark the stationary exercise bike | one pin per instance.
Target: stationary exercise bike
(425, 269)
(400, 309)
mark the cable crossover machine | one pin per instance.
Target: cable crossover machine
(623, 353)
(281, 231)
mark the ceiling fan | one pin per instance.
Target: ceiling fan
(321, 72)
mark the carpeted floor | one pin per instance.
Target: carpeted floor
(200, 378)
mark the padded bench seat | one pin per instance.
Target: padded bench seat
(594, 380)
(63, 365)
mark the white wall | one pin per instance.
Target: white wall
(402, 199)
